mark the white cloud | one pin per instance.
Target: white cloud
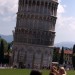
(8, 9)
(9, 6)
(61, 9)
(65, 26)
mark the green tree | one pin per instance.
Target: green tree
(73, 57)
(1, 52)
(5, 44)
(56, 54)
(61, 59)
(7, 57)
(8, 51)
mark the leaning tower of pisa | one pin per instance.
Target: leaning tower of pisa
(34, 33)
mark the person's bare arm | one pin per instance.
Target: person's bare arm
(57, 72)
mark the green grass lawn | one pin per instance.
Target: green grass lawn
(26, 72)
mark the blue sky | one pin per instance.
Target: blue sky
(70, 4)
(65, 26)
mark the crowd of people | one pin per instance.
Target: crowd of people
(54, 71)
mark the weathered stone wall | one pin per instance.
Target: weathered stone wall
(32, 55)
(34, 33)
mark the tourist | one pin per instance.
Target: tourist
(61, 71)
(35, 72)
(54, 71)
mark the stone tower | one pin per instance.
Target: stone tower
(34, 33)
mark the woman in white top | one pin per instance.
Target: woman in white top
(62, 71)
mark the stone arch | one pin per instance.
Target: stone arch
(29, 58)
(21, 54)
(37, 61)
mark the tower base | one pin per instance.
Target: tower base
(32, 56)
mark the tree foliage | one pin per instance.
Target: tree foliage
(1, 52)
(61, 59)
(5, 44)
(73, 57)
(4, 51)
(56, 55)
(8, 53)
